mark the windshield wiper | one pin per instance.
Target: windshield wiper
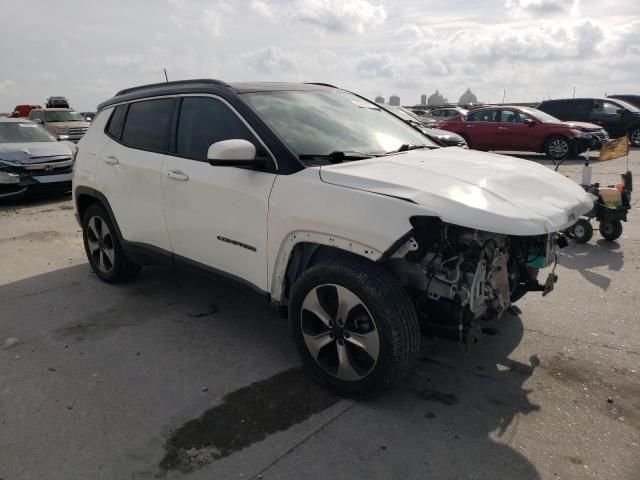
(337, 156)
(405, 147)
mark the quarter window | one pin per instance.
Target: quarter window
(205, 121)
(148, 125)
(483, 116)
(117, 120)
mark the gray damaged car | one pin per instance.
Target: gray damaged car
(32, 160)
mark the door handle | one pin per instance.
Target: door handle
(470, 126)
(177, 175)
(111, 160)
(503, 128)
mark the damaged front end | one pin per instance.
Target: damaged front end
(459, 276)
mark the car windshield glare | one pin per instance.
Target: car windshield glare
(17, 132)
(625, 105)
(540, 115)
(63, 116)
(322, 122)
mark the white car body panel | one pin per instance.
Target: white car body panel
(217, 216)
(489, 192)
(130, 180)
(303, 208)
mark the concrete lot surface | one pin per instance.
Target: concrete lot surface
(179, 375)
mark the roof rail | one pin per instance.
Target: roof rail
(321, 84)
(173, 83)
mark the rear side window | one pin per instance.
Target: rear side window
(483, 116)
(148, 125)
(36, 115)
(117, 120)
(552, 108)
(204, 121)
(581, 107)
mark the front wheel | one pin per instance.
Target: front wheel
(558, 148)
(582, 231)
(611, 230)
(354, 325)
(634, 136)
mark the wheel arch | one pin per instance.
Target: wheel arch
(301, 250)
(87, 196)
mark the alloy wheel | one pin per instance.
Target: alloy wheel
(558, 148)
(635, 137)
(101, 245)
(339, 332)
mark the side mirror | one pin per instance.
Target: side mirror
(529, 122)
(620, 111)
(63, 137)
(234, 153)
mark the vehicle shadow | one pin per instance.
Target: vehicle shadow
(127, 365)
(462, 409)
(33, 200)
(586, 257)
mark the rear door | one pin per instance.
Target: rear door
(216, 216)
(129, 169)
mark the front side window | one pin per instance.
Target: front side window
(148, 124)
(319, 123)
(511, 116)
(18, 132)
(483, 116)
(62, 116)
(205, 121)
(605, 108)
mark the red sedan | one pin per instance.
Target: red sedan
(524, 129)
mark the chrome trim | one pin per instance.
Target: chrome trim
(51, 165)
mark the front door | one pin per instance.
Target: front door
(513, 133)
(216, 216)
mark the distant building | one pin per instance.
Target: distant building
(379, 99)
(436, 99)
(423, 100)
(467, 98)
(394, 100)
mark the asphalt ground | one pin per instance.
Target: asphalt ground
(180, 375)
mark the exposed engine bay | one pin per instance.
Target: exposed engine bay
(459, 276)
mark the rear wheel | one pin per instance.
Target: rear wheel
(634, 136)
(104, 251)
(582, 231)
(355, 327)
(611, 230)
(558, 148)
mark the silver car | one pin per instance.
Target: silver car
(33, 160)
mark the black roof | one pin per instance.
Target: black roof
(205, 85)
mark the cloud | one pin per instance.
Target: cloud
(6, 86)
(524, 8)
(270, 60)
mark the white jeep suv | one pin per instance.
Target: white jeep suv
(348, 218)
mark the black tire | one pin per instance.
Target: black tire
(466, 139)
(384, 303)
(559, 148)
(611, 230)
(582, 231)
(104, 251)
(634, 136)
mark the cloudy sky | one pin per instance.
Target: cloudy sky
(88, 49)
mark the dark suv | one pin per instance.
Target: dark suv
(616, 116)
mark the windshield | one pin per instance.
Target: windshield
(319, 123)
(627, 105)
(17, 132)
(540, 115)
(62, 116)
